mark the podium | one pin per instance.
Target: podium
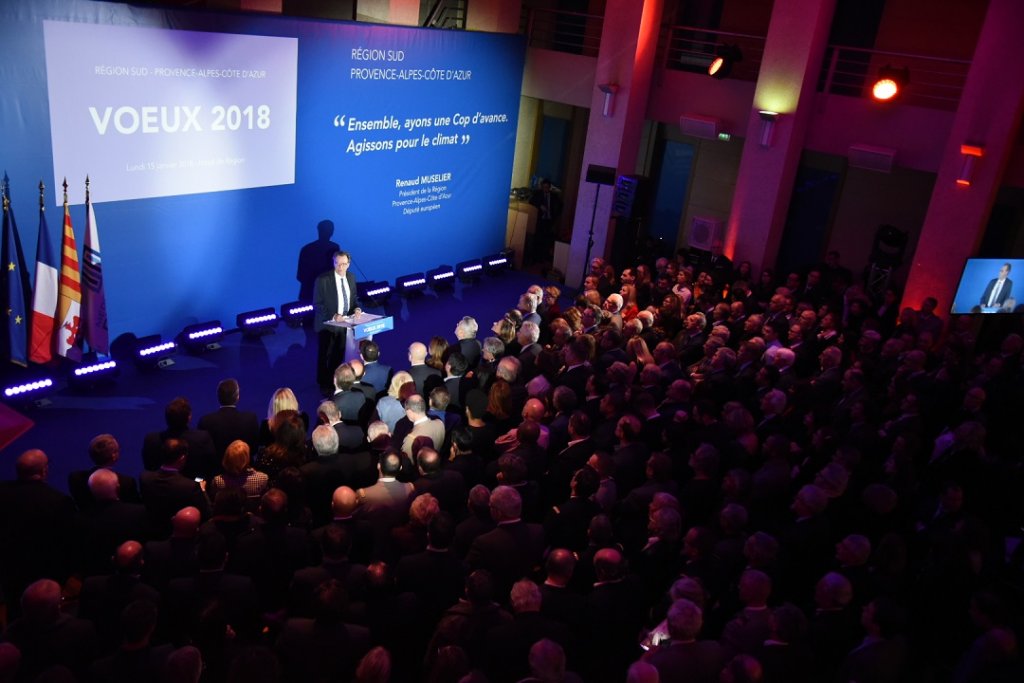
(362, 326)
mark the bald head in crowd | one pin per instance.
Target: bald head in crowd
(103, 485)
(128, 558)
(32, 465)
(417, 353)
(185, 523)
(344, 502)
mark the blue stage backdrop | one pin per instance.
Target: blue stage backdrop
(216, 143)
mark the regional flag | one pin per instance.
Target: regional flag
(94, 301)
(69, 294)
(15, 299)
(44, 305)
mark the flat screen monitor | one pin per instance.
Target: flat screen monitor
(987, 286)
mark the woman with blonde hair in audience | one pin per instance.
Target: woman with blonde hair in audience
(281, 400)
(389, 408)
(239, 474)
(630, 309)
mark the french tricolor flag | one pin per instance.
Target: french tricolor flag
(44, 305)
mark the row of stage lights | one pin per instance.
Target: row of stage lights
(155, 352)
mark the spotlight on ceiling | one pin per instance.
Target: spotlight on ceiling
(726, 57)
(890, 83)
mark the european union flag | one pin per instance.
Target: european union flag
(16, 289)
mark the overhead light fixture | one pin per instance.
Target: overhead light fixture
(970, 153)
(470, 271)
(96, 373)
(889, 83)
(201, 336)
(768, 120)
(411, 284)
(442, 277)
(152, 351)
(257, 322)
(726, 57)
(295, 312)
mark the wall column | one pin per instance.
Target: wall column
(793, 52)
(629, 38)
(989, 116)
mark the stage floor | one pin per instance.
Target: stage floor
(133, 405)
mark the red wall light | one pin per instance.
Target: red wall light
(969, 153)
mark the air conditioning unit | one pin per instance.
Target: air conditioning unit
(699, 126)
(871, 158)
(705, 231)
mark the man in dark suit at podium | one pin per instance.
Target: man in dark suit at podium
(998, 290)
(334, 297)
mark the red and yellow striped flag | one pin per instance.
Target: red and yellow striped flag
(69, 300)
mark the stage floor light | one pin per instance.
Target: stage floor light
(469, 271)
(442, 277)
(93, 374)
(201, 336)
(295, 312)
(33, 391)
(411, 284)
(257, 322)
(374, 293)
(496, 264)
(154, 352)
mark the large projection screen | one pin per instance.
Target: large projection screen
(216, 143)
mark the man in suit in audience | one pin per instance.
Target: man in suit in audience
(167, 490)
(228, 423)
(104, 451)
(37, 524)
(469, 346)
(203, 460)
(351, 402)
(513, 548)
(422, 425)
(375, 373)
(426, 377)
(109, 522)
(447, 485)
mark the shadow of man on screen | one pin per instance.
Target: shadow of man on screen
(314, 259)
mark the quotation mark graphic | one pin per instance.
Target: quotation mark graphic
(339, 121)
